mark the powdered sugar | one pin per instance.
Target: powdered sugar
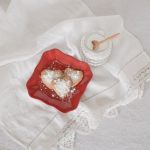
(75, 75)
(47, 76)
(62, 87)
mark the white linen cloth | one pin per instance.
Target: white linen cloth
(33, 124)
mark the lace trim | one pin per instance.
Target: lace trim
(81, 121)
(142, 75)
(65, 140)
(139, 80)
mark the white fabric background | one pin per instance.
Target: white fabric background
(130, 129)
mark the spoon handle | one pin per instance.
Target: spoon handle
(109, 38)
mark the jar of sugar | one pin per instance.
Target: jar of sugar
(101, 54)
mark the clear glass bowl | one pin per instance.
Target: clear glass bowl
(99, 56)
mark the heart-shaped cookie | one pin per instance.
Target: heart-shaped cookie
(47, 76)
(62, 86)
(75, 75)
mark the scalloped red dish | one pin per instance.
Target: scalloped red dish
(58, 60)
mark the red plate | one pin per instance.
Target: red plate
(58, 60)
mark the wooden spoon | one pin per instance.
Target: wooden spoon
(97, 44)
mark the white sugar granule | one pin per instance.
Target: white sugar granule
(73, 90)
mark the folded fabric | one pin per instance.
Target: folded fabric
(24, 21)
(36, 126)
